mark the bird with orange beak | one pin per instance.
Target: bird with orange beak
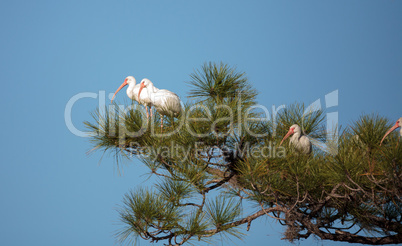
(165, 102)
(397, 124)
(133, 93)
(298, 140)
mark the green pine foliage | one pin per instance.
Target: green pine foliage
(220, 153)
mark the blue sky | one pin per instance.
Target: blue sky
(53, 193)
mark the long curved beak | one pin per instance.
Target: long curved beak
(139, 92)
(389, 131)
(121, 87)
(290, 132)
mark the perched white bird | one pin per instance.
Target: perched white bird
(164, 101)
(397, 124)
(132, 92)
(299, 141)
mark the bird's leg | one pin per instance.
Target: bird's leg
(161, 123)
(146, 109)
(150, 109)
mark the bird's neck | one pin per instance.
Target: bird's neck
(296, 136)
(152, 88)
(130, 90)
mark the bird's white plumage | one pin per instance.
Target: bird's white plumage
(298, 140)
(165, 102)
(133, 89)
(132, 92)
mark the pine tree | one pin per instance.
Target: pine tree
(220, 154)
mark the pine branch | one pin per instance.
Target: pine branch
(247, 219)
(211, 151)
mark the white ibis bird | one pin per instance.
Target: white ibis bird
(299, 141)
(397, 124)
(165, 102)
(132, 92)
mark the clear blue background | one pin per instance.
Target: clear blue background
(53, 193)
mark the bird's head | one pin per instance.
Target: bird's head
(397, 124)
(294, 128)
(128, 81)
(144, 83)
